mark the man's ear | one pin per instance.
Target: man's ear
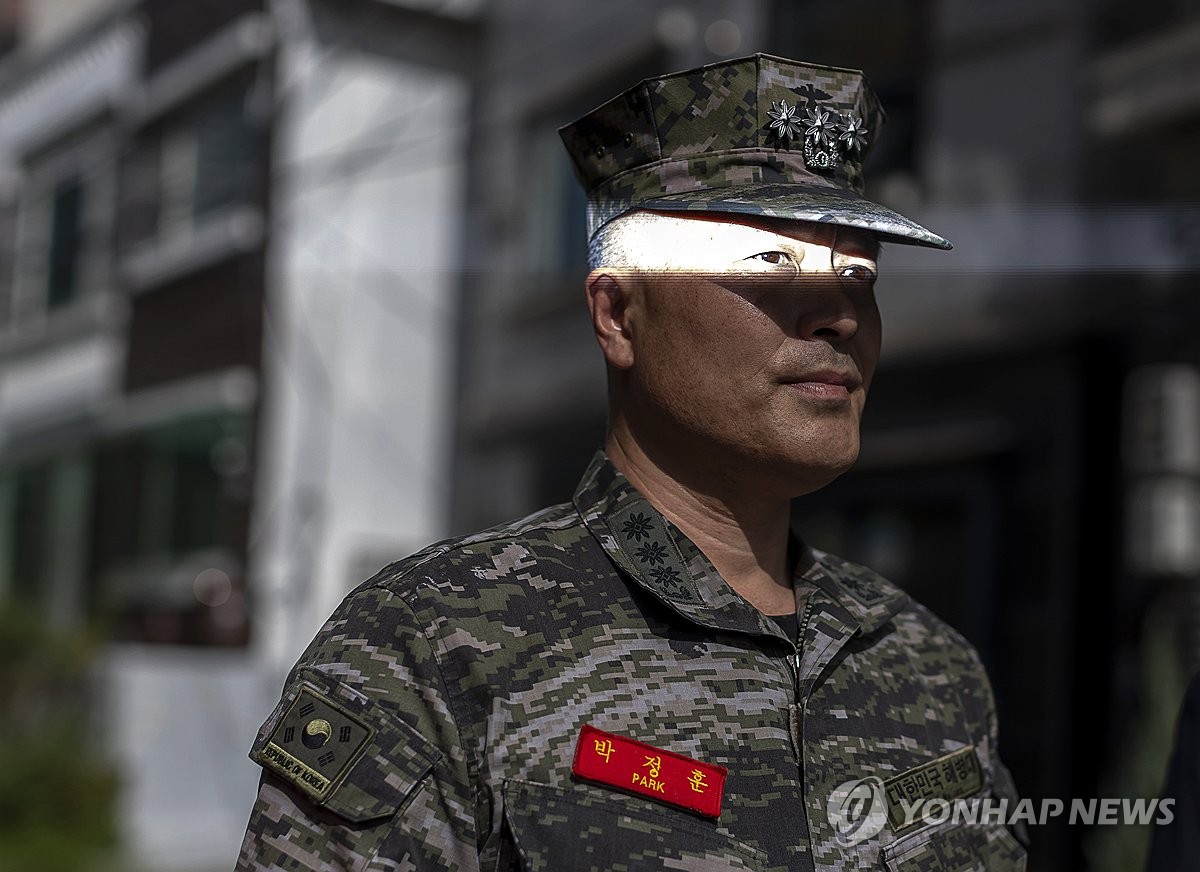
(609, 297)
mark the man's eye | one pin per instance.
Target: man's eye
(857, 272)
(774, 258)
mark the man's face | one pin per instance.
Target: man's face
(755, 347)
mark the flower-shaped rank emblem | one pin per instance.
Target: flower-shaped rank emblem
(820, 130)
(637, 527)
(852, 132)
(784, 120)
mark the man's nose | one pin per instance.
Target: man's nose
(826, 311)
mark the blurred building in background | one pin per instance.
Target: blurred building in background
(228, 237)
(289, 288)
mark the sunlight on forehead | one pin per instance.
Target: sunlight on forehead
(656, 241)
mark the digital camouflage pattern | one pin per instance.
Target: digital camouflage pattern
(476, 662)
(739, 136)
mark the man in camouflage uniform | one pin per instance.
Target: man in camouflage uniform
(657, 674)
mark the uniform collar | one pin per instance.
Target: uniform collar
(659, 558)
(869, 599)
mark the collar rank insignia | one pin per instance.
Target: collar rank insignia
(315, 743)
(670, 778)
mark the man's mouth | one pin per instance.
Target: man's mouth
(833, 384)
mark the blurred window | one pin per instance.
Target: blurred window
(169, 527)
(223, 153)
(193, 164)
(43, 504)
(66, 242)
(140, 191)
(60, 251)
(30, 541)
(146, 534)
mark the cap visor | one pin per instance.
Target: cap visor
(802, 203)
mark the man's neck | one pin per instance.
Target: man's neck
(744, 535)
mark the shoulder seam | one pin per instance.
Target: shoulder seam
(388, 579)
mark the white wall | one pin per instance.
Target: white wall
(179, 723)
(370, 165)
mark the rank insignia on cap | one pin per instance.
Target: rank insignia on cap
(674, 779)
(827, 143)
(819, 129)
(315, 743)
(852, 132)
(784, 121)
(953, 776)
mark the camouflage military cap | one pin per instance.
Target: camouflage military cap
(758, 135)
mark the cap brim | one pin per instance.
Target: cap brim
(802, 203)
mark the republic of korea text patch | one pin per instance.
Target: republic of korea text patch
(315, 743)
(950, 777)
(628, 764)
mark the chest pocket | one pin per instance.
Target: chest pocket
(961, 847)
(565, 829)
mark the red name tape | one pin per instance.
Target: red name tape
(631, 765)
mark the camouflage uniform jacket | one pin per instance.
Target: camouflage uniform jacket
(447, 694)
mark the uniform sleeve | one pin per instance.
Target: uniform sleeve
(1003, 785)
(967, 690)
(363, 760)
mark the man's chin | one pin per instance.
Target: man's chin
(794, 474)
(812, 479)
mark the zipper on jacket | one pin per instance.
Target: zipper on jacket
(796, 709)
